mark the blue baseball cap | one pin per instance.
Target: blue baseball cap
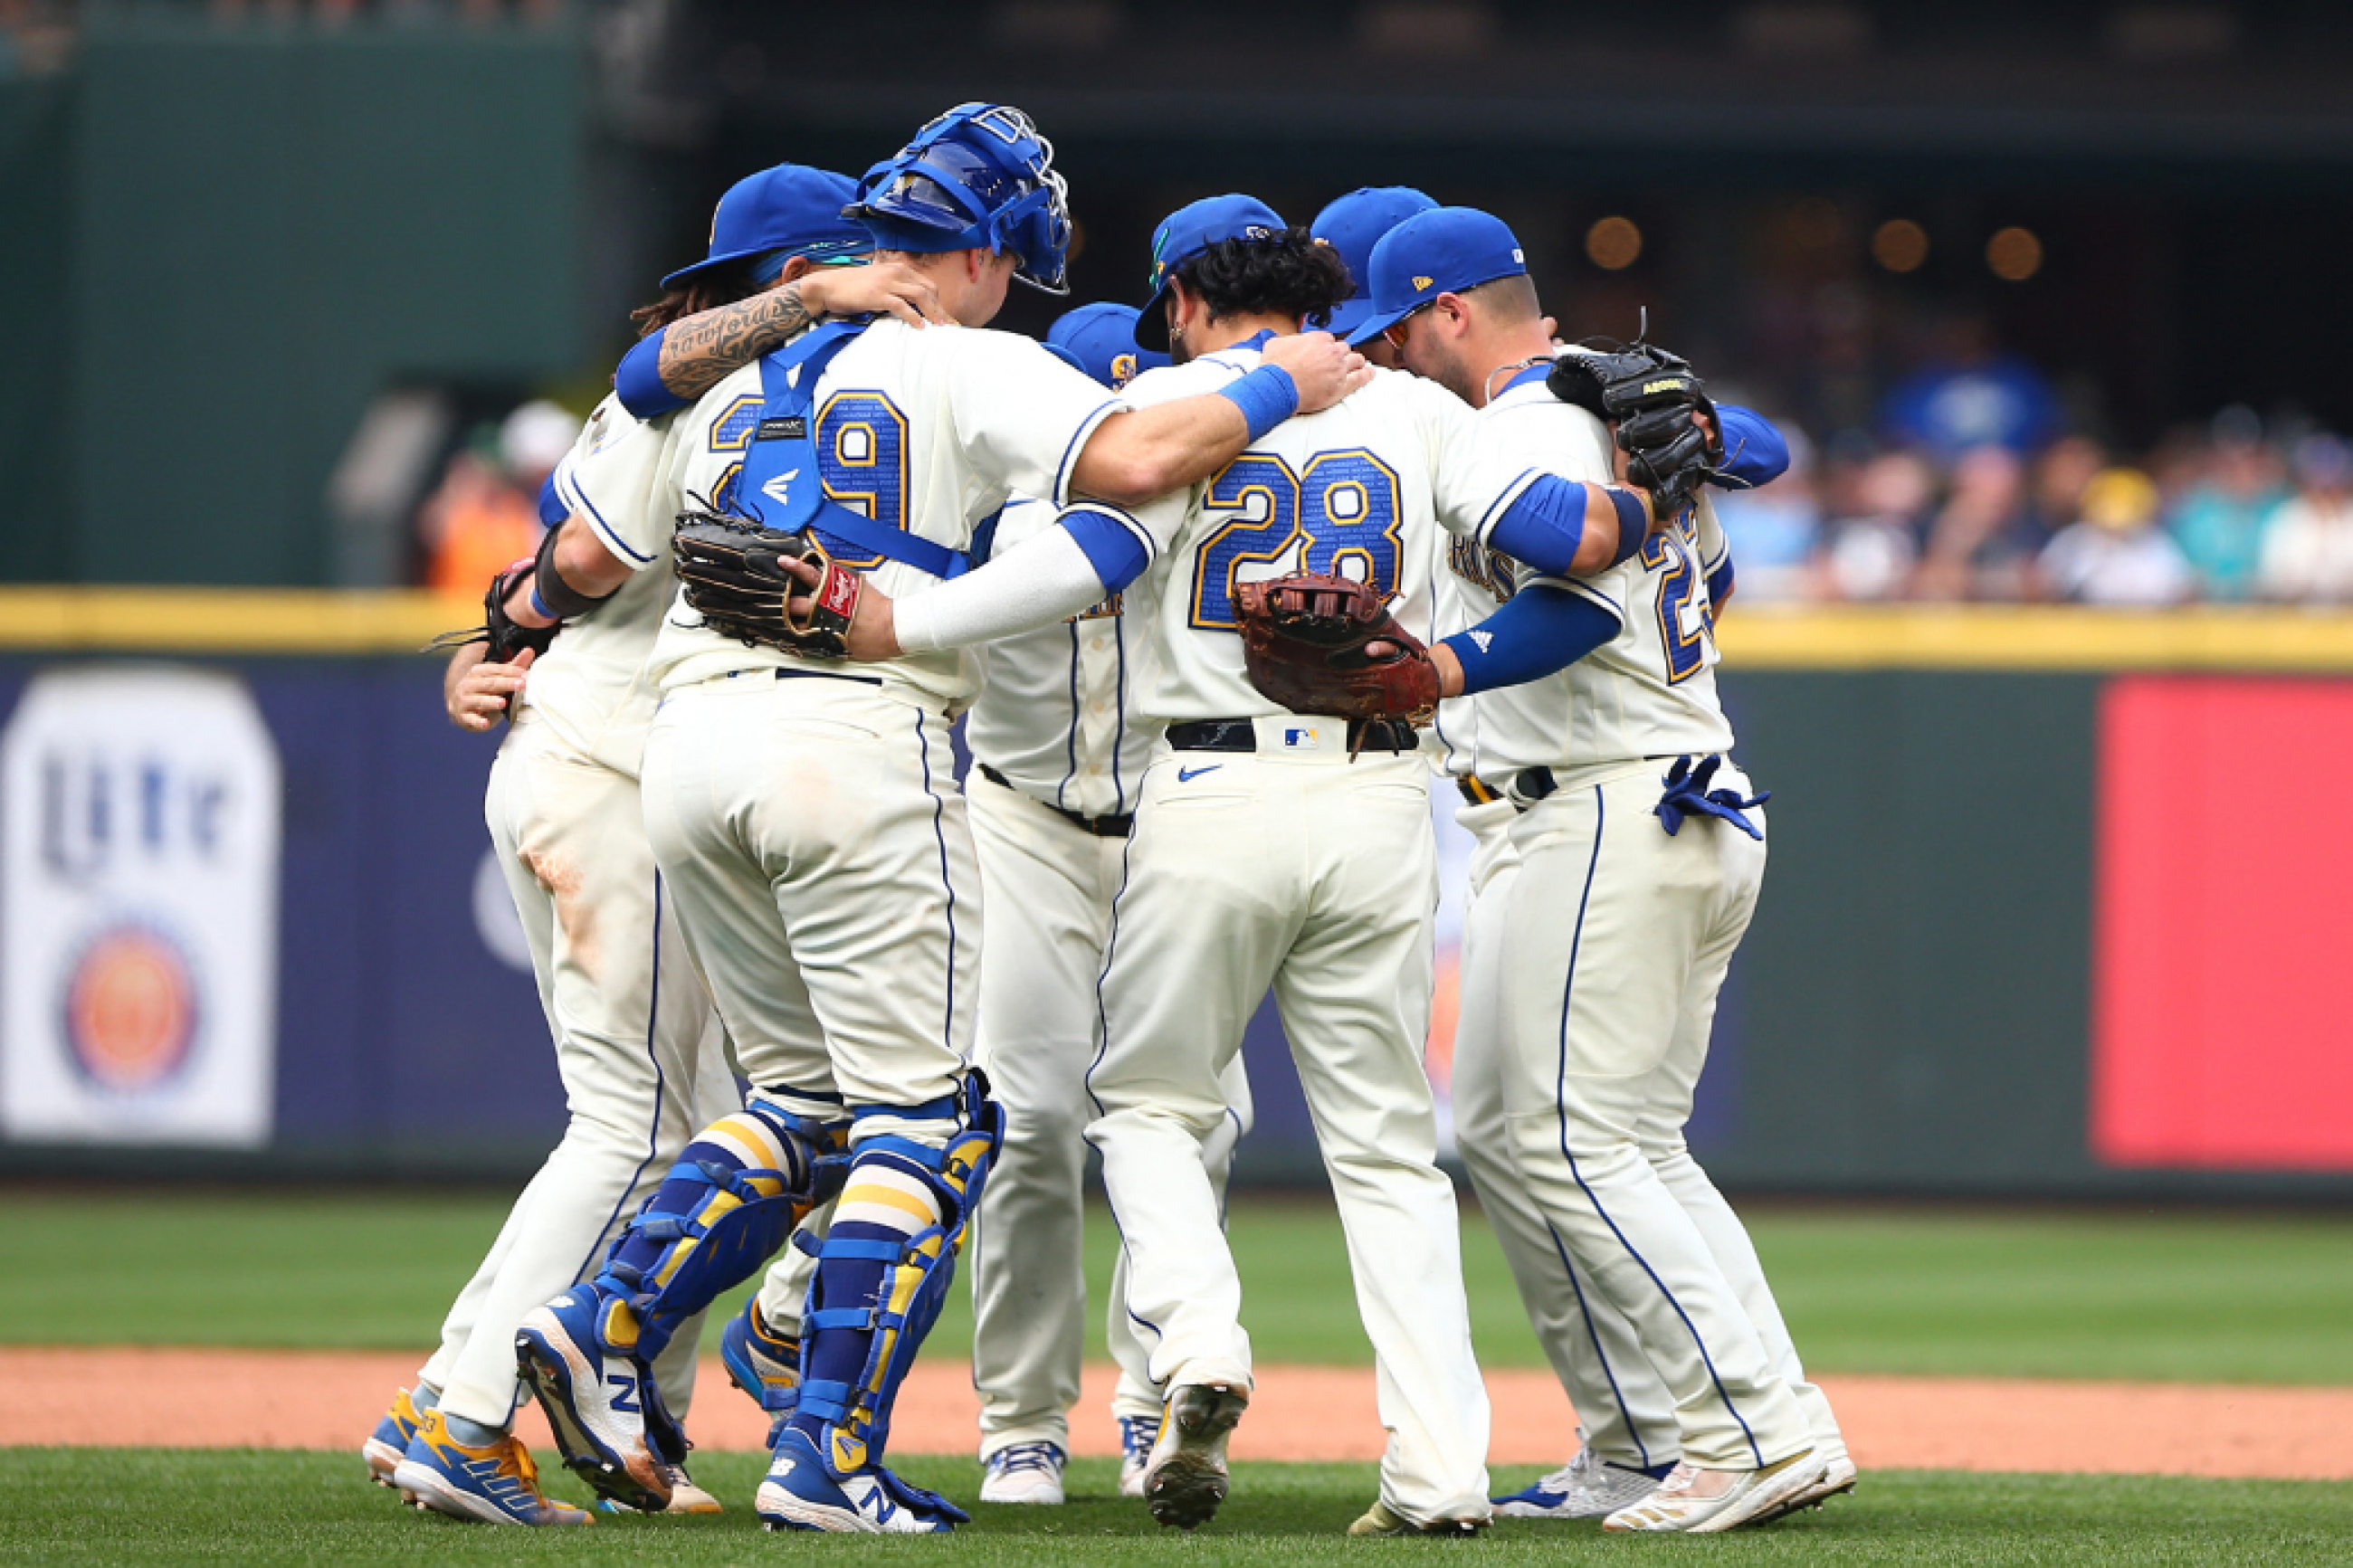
(1099, 341)
(1353, 225)
(1184, 235)
(790, 207)
(1444, 250)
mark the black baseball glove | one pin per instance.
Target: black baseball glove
(732, 572)
(1647, 396)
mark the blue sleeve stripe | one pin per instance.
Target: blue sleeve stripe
(1110, 546)
(637, 381)
(1719, 582)
(1578, 585)
(1079, 440)
(577, 500)
(552, 510)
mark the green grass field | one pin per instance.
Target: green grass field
(2224, 1298)
(110, 1508)
(2080, 1295)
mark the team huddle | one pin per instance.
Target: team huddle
(1215, 591)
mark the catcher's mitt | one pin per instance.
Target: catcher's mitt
(731, 570)
(1648, 396)
(506, 637)
(1304, 641)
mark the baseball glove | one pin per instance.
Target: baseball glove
(1303, 640)
(1647, 396)
(506, 637)
(732, 572)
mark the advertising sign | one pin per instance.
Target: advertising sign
(139, 866)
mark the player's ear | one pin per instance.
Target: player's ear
(798, 268)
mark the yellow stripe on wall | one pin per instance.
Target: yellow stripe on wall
(296, 621)
(227, 620)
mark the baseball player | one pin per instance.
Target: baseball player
(808, 825)
(1571, 1098)
(1058, 752)
(1353, 225)
(642, 1057)
(1272, 848)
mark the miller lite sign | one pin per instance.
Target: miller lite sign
(139, 864)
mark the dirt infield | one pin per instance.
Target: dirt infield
(328, 1399)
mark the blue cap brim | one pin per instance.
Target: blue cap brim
(1374, 326)
(1349, 315)
(827, 251)
(1152, 322)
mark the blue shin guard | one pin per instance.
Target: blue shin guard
(713, 1224)
(876, 1297)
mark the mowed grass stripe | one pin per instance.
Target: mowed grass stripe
(122, 1509)
(2217, 1297)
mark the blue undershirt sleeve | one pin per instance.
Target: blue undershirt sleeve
(1538, 631)
(1543, 525)
(1118, 557)
(1719, 581)
(637, 380)
(1753, 452)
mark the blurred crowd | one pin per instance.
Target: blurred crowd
(484, 514)
(1972, 488)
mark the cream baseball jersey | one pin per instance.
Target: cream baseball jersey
(1359, 489)
(591, 687)
(1649, 691)
(926, 429)
(1056, 713)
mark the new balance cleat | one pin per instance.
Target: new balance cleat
(1383, 1519)
(1588, 1487)
(1024, 1472)
(1186, 1477)
(685, 1497)
(493, 1485)
(593, 1400)
(389, 1444)
(763, 1364)
(1708, 1503)
(1136, 1434)
(800, 1493)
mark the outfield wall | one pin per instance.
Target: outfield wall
(2051, 909)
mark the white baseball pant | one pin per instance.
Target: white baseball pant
(639, 1051)
(1617, 937)
(1315, 876)
(1050, 885)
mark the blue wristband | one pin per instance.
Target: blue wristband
(538, 604)
(1266, 396)
(1632, 525)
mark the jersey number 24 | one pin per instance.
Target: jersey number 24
(1342, 507)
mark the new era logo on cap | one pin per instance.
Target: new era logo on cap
(1419, 282)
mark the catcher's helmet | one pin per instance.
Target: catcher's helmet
(978, 178)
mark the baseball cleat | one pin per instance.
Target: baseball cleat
(1708, 1503)
(1185, 1480)
(763, 1363)
(685, 1497)
(1136, 1434)
(593, 1401)
(1382, 1520)
(1588, 1487)
(1837, 1477)
(1024, 1472)
(800, 1493)
(389, 1444)
(494, 1485)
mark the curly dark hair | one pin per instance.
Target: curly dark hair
(1289, 274)
(705, 291)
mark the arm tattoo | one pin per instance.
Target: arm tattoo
(701, 351)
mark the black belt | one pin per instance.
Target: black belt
(1112, 826)
(1529, 785)
(1241, 736)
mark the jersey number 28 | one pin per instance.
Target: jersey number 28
(1342, 507)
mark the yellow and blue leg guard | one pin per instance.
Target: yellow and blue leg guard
(717, 1218)
(879, 1289)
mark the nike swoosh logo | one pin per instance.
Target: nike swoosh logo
(1186, 775)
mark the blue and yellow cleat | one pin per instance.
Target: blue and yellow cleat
(592, 1397)
(496, 1485)
(1136, 1435)
(766, 1365)
(389, 1444)
(800, 1493)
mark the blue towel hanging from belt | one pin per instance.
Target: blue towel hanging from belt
(781, 488)
(1688, 795)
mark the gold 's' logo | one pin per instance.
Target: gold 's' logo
(1123, 370)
